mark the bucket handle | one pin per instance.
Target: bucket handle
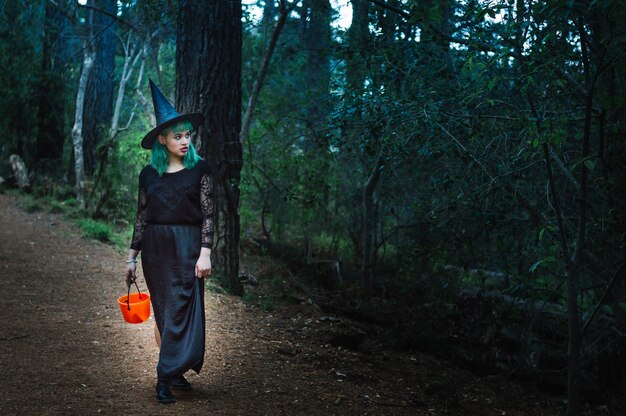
(128, 296)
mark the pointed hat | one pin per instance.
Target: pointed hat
(166, 116)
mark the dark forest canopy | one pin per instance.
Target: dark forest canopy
(430, 148)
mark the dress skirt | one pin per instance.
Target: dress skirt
(169, 255)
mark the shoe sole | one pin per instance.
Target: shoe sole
(166, 401)
(184, 388)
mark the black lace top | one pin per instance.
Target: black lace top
(183, 197)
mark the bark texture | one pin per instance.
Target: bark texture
(20, 172)
(358, 37)
(77, 130)
(317, 41)
(369, 187)
(208, 64)
(51, 124)
(99, 93)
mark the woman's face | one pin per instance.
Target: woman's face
(177, 144)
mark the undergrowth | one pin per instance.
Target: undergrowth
(116, 235)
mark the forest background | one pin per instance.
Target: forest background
(460, 160)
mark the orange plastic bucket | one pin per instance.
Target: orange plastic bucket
(135, 306)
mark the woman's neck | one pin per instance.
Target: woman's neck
(176, 164)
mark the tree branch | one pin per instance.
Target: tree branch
(265, 62)
(603, 299)
(465, 149)
(107, 13)
(394, 9)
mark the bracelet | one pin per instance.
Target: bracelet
(131, 261)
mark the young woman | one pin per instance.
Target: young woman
(174, 233)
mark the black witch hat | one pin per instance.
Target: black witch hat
(166, 115)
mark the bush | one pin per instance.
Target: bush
(249, 297)
(96, 230)
(51, 205)
(30, 205)
(267, 305)
(213, 285)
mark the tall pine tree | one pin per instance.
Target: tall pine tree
(208, 66)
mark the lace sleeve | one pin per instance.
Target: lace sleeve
(140, 223)
(207, 207)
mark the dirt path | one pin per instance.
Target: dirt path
(65, 350)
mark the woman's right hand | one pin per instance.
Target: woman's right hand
(131, 274)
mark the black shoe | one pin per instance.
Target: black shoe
(180, 383)
(163, 393)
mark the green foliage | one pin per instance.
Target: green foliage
(464, 178)
(249, 297)
(267, 305)
(30, 204)
(461, 127)
(212, 284)
(96, 230)
(19, 82)
(53, 206)
(464, 130)
(546, 261)
(333, 245)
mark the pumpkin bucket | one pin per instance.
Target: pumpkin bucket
(135, 306)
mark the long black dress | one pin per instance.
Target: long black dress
(174, 220)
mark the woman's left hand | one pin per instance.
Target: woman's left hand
(203, 265)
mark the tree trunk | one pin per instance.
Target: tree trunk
(575, 339)
(20, 172)
(435, 33)
(358, 38)
(267, 20)
(147, 106)
(132, 54)
(208, 64)
(391, 78)
(77, 130)
(304, 17)
(99, 93)
(317, 40)
(611, 144)
(368, 228)
(51, 129)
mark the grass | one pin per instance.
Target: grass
(30, 204)
(249, 297)
(96, 230)
(338, 246)
(116, 235)
(53, 205)
(212, 284)
(267, 305)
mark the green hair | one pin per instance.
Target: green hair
(160, 159)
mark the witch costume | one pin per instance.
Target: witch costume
(174, 221)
